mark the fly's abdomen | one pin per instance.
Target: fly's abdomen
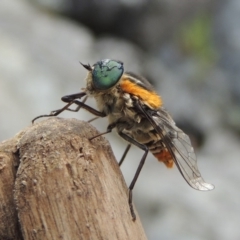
(145, 134)
(161, 153)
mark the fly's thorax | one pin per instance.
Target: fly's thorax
(109, 101)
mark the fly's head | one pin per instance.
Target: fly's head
(103, 76)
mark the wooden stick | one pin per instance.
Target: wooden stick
(66, 186)
(9, 161)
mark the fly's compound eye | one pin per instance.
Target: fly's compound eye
(106, 73)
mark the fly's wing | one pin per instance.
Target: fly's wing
(179, 146)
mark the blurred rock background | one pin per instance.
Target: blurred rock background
(189, 50)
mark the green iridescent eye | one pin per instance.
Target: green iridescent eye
(106, 73)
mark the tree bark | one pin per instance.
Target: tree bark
(65, 186)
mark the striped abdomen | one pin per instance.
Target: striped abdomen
(160, 152)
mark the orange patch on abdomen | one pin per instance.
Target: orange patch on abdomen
(150, 98)
(165, 157)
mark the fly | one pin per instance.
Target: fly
(136, 111)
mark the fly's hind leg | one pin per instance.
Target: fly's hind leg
(145, 149)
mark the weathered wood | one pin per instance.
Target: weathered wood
(66, 186)
(9, 161)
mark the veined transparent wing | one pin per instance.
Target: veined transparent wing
(179, 146)
(185, 159)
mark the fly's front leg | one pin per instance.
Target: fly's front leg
(66, 107)
(70, 100)
(89, 109)
(76, 109)
(145, 149)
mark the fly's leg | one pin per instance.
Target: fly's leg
(76, 109)
(144, 148)
(124, 154)
(109, 129)
(141, 146)
(89, 109)
(68, 99)
(66, 107)
(92, 119)
(71, 99)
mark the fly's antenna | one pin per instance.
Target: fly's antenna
(87, 66)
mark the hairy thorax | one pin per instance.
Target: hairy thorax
(118, 107)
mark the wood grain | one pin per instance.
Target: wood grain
(66, 187)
